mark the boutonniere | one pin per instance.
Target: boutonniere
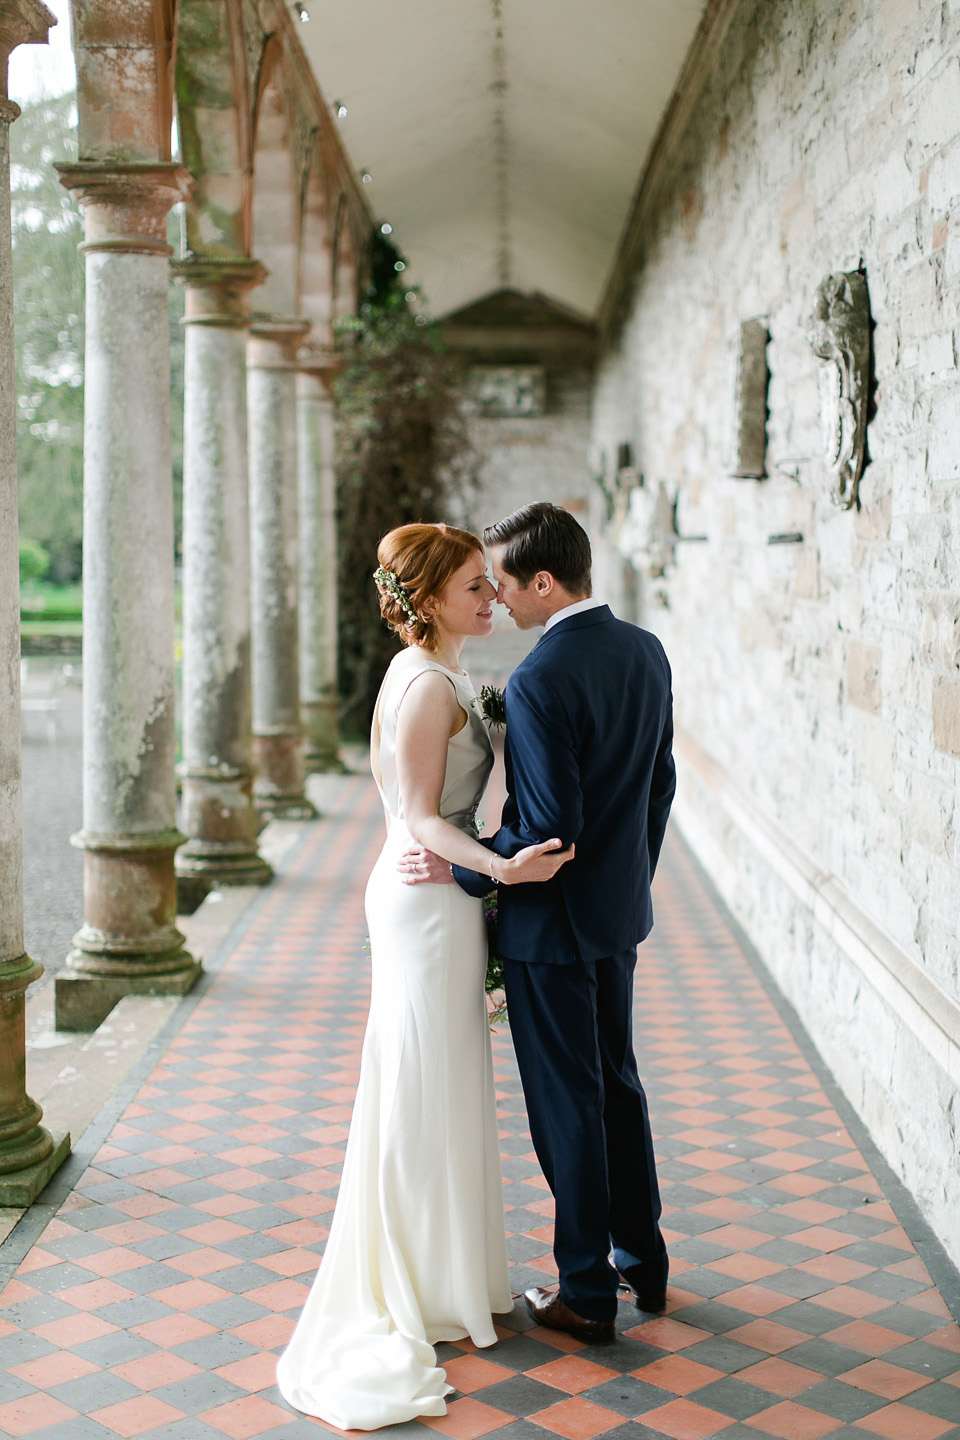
(493, 706)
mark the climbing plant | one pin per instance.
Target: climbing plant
(402, 456)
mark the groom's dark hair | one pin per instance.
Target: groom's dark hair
(543, 537)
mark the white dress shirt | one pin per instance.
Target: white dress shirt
(577, 608)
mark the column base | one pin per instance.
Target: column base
(19, 1188)
(218, 815)
(28, 1152)
(210, 867)
(325, 762)
(278, 789)
(216, 865)
(83, 1001)
(129, 943)
(321, 730)
(285, 807)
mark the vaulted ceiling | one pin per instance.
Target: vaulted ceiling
(503, 138)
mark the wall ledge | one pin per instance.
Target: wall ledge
(929, 1012)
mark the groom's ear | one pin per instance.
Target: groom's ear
(544, 582)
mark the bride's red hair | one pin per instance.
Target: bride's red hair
(423, 558)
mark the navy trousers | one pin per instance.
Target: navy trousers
(572, 1028)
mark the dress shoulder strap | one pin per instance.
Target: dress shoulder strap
(404, 678)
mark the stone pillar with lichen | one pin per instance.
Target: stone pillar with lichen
(29, 1154)
(278, 741)
(129, 942)
(319, 700)
(217, 811)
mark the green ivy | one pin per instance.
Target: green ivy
(402, 455)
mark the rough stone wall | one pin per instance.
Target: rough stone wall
(821, 679)
(538, 457)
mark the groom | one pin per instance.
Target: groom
(588, 759)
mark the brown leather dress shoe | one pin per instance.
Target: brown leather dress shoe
(548, 1310)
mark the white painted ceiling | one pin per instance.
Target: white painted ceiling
(507, 161)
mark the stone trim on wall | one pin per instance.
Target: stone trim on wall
(930, 1013)
(823, 674)
(745, 850)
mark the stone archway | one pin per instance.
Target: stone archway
(220, 63)
(139, 64)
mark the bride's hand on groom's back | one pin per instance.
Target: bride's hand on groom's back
(419, 866)
(533, 864)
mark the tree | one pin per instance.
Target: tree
(48, 282)
(34, 561)
(48, 316)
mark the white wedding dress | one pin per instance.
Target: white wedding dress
(416, 1252)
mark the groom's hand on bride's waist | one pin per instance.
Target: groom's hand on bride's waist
(421, 867)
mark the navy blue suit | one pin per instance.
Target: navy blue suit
(588, 759)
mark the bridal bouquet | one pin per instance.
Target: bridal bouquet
(494, 981)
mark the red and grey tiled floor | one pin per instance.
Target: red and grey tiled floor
(158, 1297)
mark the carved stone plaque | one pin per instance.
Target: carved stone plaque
(751, 404)
(840, 336)
(646, 531)
(506, 390)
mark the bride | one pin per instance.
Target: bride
(416, 1252)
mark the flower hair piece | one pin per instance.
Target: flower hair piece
(389, 581)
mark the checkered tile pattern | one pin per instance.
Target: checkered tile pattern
(155, 1303)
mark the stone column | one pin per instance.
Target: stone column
(217, 810)
(317, 493)
(278, 746)
(129, 942)
(28, 1152)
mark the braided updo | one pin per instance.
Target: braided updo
(423, 558)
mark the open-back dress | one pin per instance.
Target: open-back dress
(416, 1252)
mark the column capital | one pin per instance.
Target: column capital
(324, 365)
(22, 22)
(126, 204)
(274, 342)
(218, 290)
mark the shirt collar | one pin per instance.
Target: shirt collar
(577, 608)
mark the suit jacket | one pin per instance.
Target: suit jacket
(589, 759)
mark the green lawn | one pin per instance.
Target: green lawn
(30, 625)
(40, 601)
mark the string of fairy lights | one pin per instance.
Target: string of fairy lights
(498, 89)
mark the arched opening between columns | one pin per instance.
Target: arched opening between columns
(213, 88)
(275, 337)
